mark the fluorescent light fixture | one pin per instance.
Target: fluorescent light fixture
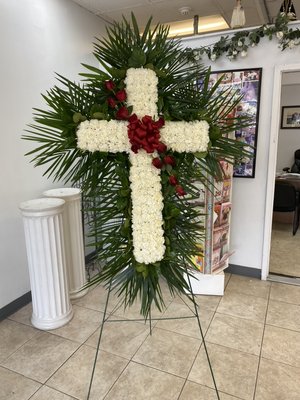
(206, 24)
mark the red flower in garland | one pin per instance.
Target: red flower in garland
(109, 85)
(173, 180)
(161, 148)
(180, 191)
(122, 113)
(121, 95)
(170, 160)
(157, 163)
(111, 102)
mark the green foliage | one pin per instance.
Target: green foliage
(240, 42)
(104, 177)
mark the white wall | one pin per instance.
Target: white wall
(288, 139)
(38, 38)
(249, 195)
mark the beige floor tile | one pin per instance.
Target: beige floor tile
(120, 338)
(193, 391)
(187, 326)
(134, 312)
(46, 393)
(83, 324)
(168, 352)
(285, 250)
(16, 387)
(249, 286)
(141, 382)
(95, 299)
(237, 333)
(40, 357)
(286, 293)
(284, 315)
(13, 335)
(208, 302)
(281, 345)
(73, 378)
(227, 278)
(243, 306)
(235, 372)
(277, 381)
(23, 315)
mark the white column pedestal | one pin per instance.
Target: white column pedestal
(43, 225)
(207, 284)
(73, 236)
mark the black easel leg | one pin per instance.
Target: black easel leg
(150, 322)
(99, 340)
(202, 336)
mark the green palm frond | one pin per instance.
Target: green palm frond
(104, 177)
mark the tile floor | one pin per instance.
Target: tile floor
(252, 335)
(285, 250)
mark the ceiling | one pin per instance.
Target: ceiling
(258, 12)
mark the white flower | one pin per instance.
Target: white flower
(141, 88)
(108, 136)
(213, 57)
(291, 44)
(234, 52)
(147, 206)
(244, 53)
(185, 136)
(279, 35)
(253, 44)
(240, 43)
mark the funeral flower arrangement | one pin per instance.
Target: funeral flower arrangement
(136, 135)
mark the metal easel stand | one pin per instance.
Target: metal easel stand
(106, 316)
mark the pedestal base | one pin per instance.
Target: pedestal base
(45, 324)
(207, 284)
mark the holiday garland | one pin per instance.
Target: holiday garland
(240, 42)
(135, 136)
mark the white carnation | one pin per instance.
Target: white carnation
(185, 136)
(141, 88)
(108, 136)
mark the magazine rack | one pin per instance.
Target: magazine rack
(214, 203)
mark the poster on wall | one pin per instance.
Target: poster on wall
(247, 82)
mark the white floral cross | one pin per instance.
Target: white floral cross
(146, 194)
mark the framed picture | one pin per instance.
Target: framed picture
(248, 83)
(290, 117)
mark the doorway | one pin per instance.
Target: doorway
(280, 260)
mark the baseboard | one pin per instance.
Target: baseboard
(15, 305)
(245, 271)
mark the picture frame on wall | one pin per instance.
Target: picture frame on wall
(248, 83)
(290, 117)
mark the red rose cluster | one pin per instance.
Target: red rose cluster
(115, 99)
(144, 134)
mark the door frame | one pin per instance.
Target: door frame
(273, 145)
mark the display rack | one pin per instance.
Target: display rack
(214, 203)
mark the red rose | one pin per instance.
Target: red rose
(161, 148)
(122, 113)
(170, 160)
(173, 180)
(121, 95)
(180, 191)
(111, 102)
(133, 118)
(157, 163)
(160, 123)
(109, 85)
